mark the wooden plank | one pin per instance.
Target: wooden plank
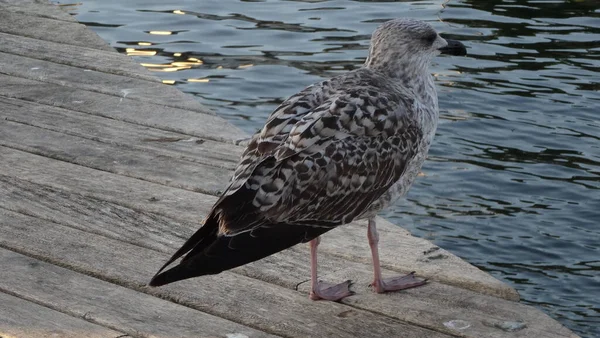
(20, 318)
(178, 204)
(82, 57)
(123, 309)
(138, 227)
(143, 113)
(116, 85)
(68, 33)
(40, 8)
(105, 130)
(189, 207)
(234, 297)
(118, 159)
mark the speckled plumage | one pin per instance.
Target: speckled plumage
(339, 150)
(328, 153)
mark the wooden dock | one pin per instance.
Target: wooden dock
(105, 171)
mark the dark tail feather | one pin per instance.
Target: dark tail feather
(206, 234)
(174, 274)
(220, 253)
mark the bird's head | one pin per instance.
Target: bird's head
(408, 43)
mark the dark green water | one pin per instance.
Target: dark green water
(512, 182)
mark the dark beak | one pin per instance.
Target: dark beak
(454, 48)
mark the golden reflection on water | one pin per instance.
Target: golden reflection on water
(198, 80)
(160, 32)
(138, 52)
(170, 67)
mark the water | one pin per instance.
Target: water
(512, 181)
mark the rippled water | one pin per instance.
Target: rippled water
(512, 183)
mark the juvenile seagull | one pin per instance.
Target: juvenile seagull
(337, 151)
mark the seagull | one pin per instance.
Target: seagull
(339, 150)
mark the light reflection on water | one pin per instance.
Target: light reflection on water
(513, 177)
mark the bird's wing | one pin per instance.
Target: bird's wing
(336, 160)
(276, 129)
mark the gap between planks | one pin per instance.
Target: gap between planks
(120, 133)
(22, 318)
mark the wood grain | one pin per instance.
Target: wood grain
(78, 56)
(247, 301)
(44, 28)
(96, 81)
(109, 305)
(399, 250)
(21, 318)
(157, 116)
(119, 159)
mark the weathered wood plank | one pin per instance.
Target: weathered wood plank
(105, 130)
(116, 85)
(21, 318)
(123, 109)
(118, 159)
(82, 57)
(188, 207)
(40, 8)
(126, 191)
(68, 33)
(227, 295)
(123, 309)
(93, 215)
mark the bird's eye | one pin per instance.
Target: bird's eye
(430, 38)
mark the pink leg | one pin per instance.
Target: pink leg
(379, 284)
(322, 290)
